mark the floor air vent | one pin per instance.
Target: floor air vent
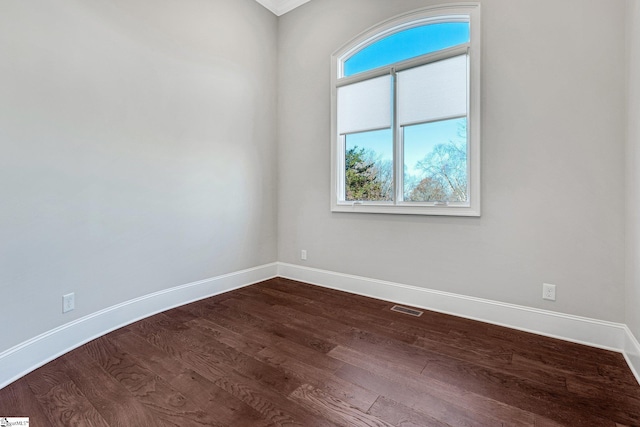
(406, 310)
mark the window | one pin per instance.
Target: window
(406, 116)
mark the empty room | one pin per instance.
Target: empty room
(320, 213)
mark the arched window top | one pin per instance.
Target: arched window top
(405, 115)
(406, 43)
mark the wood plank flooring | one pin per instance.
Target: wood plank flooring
(284, 353)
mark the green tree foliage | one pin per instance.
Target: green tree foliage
(362, 182)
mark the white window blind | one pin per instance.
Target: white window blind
(434, 91)
(365, 106)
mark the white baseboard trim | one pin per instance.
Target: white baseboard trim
(631, 352)
(31, 354)
(582, 330)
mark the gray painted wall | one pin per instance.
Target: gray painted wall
(633, 175)
(139, 153)
(554, 119)
(138, 145)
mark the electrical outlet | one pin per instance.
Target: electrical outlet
(549, 291)
(303, 254)
(68, 302)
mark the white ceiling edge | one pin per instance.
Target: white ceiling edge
(280, 7)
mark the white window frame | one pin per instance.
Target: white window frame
(454, 12)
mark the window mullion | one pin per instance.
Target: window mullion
(398, 175)
(399, 164)
(341, 184)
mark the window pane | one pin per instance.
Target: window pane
(369, 166)
(434, 91)
(365, 105)
(407, 44)
(435, 162)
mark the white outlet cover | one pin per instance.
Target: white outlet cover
(549, 291)
(68, 302)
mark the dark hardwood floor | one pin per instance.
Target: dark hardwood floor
(283, 353)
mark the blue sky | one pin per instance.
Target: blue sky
(407, 44)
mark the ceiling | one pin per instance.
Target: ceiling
(280, 7)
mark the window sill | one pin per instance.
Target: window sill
(446, 210)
